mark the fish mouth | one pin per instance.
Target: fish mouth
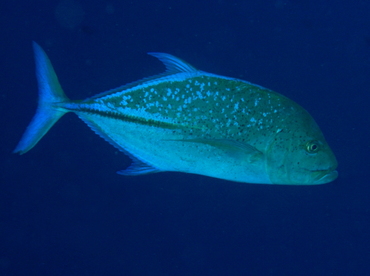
(325, 176)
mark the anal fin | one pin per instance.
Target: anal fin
(138, 168)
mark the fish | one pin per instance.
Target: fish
(190, 121)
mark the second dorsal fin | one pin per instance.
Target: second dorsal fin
(173, 64)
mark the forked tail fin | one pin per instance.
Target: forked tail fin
(48, 111)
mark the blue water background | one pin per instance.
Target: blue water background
(64, 211)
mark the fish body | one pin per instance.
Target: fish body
(191, 121)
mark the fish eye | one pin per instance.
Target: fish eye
(312, 146)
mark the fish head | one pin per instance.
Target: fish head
(299, 153)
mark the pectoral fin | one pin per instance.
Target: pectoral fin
(234, 148)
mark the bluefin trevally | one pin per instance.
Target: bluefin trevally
(191, 121)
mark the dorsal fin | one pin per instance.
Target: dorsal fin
(173, 64)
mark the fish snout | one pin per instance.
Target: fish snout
(325, 176)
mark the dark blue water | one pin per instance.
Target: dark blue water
(64, 211)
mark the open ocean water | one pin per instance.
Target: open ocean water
(63, 209)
